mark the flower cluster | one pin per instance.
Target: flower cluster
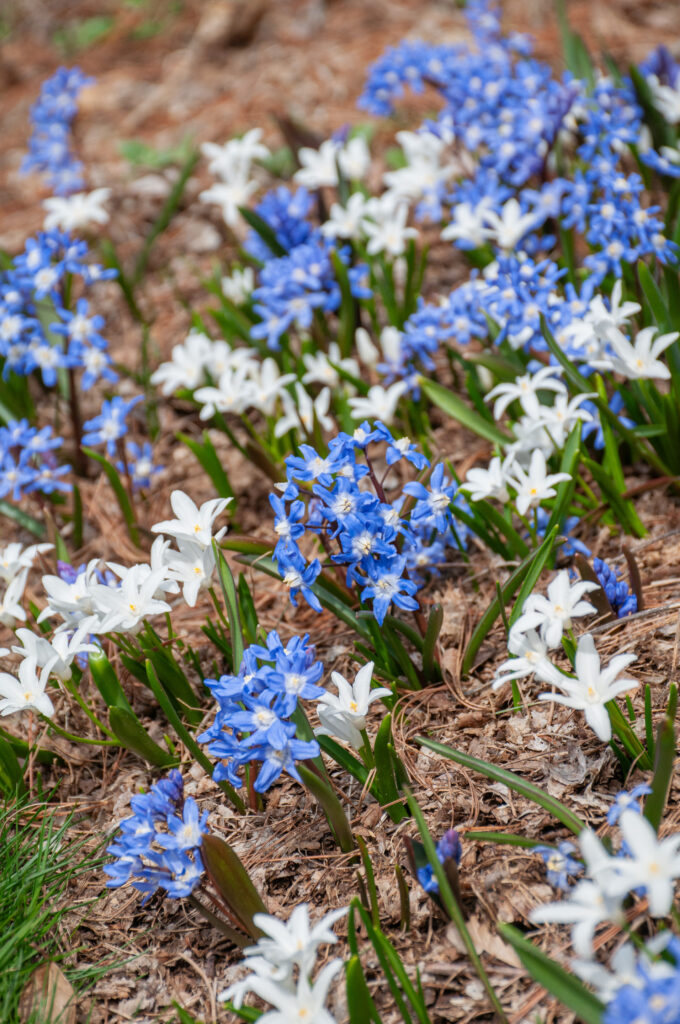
(621, 598)
(540, 628)
(50, 149)
(28, 463)
(255, 707)
(642, 864)
(348, 509)
(47, 336)
(159, 846)
(281, 965)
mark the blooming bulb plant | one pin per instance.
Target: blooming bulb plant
(344, 715)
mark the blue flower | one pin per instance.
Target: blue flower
(387, 585)
(110, 425)
(627, 800)
(448, 848)
(559, 863)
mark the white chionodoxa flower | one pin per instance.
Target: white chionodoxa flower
(468, 224)
(651, 864)
(73, 213)
(592, 687)
(536, 485)
(299, 413)
(380, 403)
(306, 1002)
(193, 523)
(344, 715)
(346, 221)
(123, 609)
(530, 658)
(186, 367)
(638, 360)
(492, 482)
(61, 650)
(511, 225)
(14, 557)
(525, 388)
(586, 907)
(72, 601)
(27, 693)
(11, 610)
(239, 286)
(193, 566)
(553, 614)
(385, 225)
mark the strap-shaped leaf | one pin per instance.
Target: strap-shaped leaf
(509, 779)
(134, 736)
(322, 791)
(233, 883)
(571, 992)
(456, 408)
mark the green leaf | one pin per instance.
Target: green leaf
(452, 907)
(509, 779)
(322, 791)
(21, 518)
(231, 602)
(502, 839)
(664, 759)
(360, 1005)
(456, 408)
(535, 558)
(434, 625)
(385, 780)
(210, 461)
(119, 491)
(571, 992)
(342, 757)
(535, 569)
(167, 212)
(134, 736)
(233, 882)
(11, 775)
(263, 229)
(107, 682)
(565, 489)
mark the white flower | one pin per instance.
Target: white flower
(73, 213)
(192, 566)
(60, 651)
(344, 715)
(468, 224)
(666, 99)
(368, 352)
(526, 388)
(346, 221)
(27, 693)
(233, 159)
(261, 968)
(536, 485)
(193, 523)
(11, 610)
(73, 601)
(508, 228)
(424, 171)
(387, 231)
(553, 614)
(651, 863)
(233, 394)
(319, 368)
(124, 608)
(562, 416)
(305, 1004)
(530, 658)
(268, 385)
(229, 196)
(14, 557)
(639, 360)
(354, 158)
(530, 435)
(593, 687)
(186, 368)
(294, 942)
(586, 907)
(302, 412)
(490, 482)
(239, 285)
(318, 166)
(380, 403)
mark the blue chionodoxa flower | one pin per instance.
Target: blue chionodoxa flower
(252, 723)
(559, 863)
(158, 847)
(448, 848)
